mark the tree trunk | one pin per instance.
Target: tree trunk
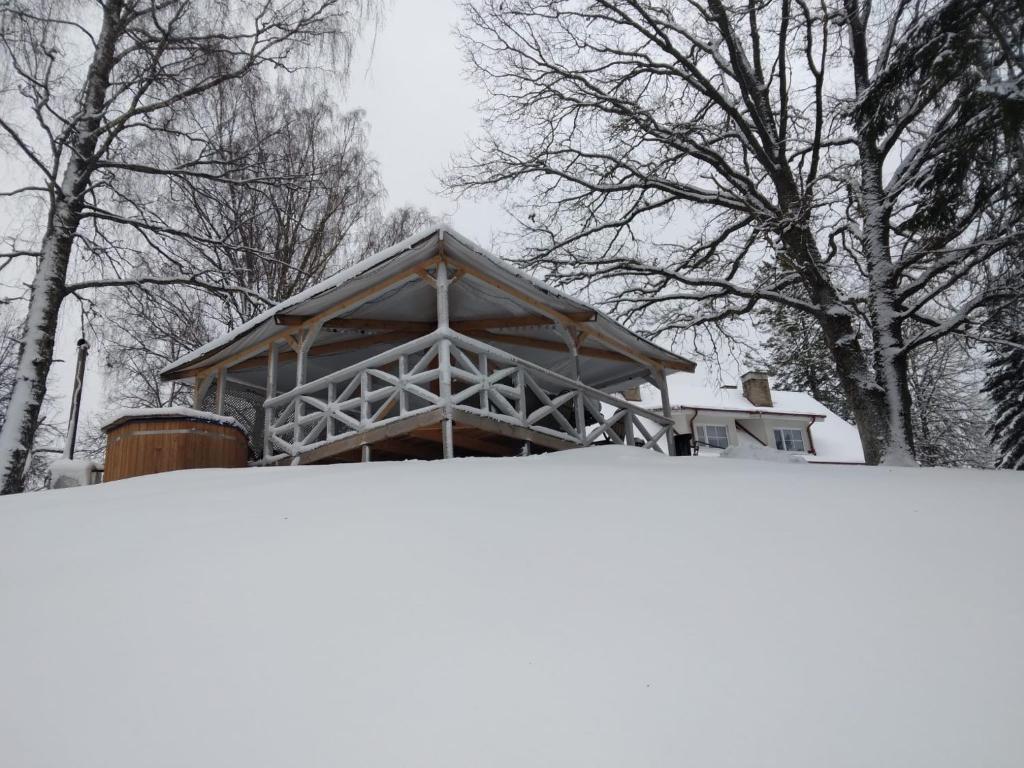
(889, 361)
(48, 286)
(890, 367)
(840, 330)
(862, 394)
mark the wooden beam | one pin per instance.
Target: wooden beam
(468, 442)
(360, 323)
(553, 346)
(503, 428)
(426, 277)
(408, 446)
(516, 321)
(356, 440)
(334, 347)
(483, 323)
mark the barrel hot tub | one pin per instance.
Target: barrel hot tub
(150, 440)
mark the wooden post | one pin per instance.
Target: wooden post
(300, 379)
(521, 394)
(485, 372)
(364, 400)
(221, 382)
(268, 413)
(403, 397)
(572, 341)
(202, 385)
(666, 410)
(444, 361)
(301, 372)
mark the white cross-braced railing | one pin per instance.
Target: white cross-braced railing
(502, 386)
(485, 381)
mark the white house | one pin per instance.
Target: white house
(755, 416)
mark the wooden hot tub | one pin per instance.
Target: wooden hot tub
(146, 441)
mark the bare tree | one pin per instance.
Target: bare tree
(270, 239)
(144, 330)
(951, 415)
(384, 230)
(662, 153)
(75, 126)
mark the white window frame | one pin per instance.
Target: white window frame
(704, 439)
(787, 439)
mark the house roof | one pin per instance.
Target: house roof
(835, 440)
(391, 263)
(684, 393)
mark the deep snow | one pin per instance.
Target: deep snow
(601, 607)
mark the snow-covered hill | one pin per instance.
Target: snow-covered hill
(603, 607)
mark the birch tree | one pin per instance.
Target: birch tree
(311, 187)
(660, 154)
(73, 125)
(384, 230)
(49, 440)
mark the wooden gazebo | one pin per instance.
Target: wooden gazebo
(433, 348)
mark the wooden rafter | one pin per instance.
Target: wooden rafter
(360, 323)
(332, 311)
(334, 347)
(516, 321)
(553, 346)
(482, 323)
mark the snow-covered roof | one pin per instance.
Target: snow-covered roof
(835, 440)
(685, 392)
(155, 414)
(390, 263)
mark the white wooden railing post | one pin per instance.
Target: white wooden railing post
(268, 411)
(218, 408)
(403, 397)
(521, 394)
(572, 342)
(301, 368)
(364, 402)
(300, 379)
(581, 417)
(666, 411)
(444, 361)
(485, 396)
(332, 392)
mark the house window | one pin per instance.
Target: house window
(790, 440)
(713, 435)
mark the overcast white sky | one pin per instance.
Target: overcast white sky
(409, 77)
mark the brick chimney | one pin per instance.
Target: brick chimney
(632, 394)
(756, 388)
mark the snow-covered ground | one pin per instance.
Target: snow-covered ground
(603, 607)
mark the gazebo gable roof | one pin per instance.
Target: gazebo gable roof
(397, 265)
